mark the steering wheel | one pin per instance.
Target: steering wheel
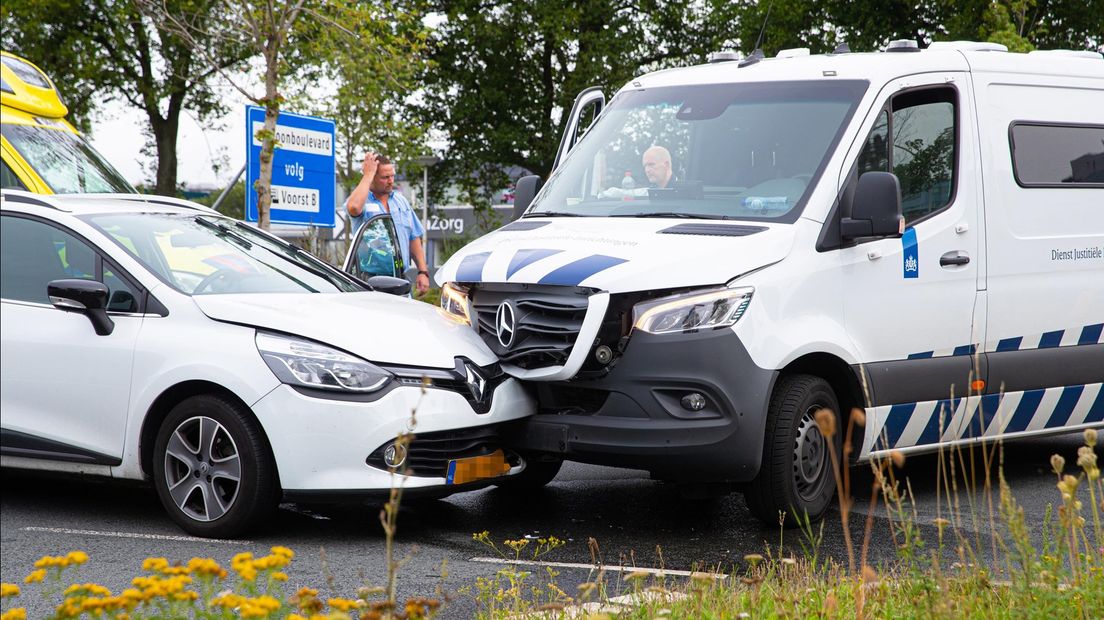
(222, 274)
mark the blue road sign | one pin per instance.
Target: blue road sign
(303, 172)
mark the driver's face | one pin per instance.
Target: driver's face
(656, 168)
(384, 181)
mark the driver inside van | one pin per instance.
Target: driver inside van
(658, 168)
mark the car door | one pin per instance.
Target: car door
(910, 302)
(375, 250)
(65, 390)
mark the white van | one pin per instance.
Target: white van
(919, 234)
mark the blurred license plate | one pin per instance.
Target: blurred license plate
(477, 468)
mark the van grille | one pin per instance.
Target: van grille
(547, 321)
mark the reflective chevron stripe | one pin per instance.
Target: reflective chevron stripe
(1089, 334)
(918, 424)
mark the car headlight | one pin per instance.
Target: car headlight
(454, 302)
(692, 312)
(296, 361)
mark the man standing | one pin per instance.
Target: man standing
(376, 194)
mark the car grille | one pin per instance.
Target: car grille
(547, 322)
(428, 454)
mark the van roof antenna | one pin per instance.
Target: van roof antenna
(757, 53)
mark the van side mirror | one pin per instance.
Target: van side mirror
(876, 208)
(525, 190)
(87, 297)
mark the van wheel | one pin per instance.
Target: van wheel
(536, 475)
(796, 475)
(213, 469)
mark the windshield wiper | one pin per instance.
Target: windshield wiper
(554, 214)
(672, 214)
(224, 231)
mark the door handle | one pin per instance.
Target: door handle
(954, 259)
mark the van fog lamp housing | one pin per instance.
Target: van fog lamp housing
(694, 401)
(692, 312)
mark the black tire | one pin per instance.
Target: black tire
(796, 476)
(535, 476)
(195, 478)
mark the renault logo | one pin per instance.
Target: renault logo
(505, 324)
(476, 382)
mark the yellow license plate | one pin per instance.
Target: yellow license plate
(477, 468)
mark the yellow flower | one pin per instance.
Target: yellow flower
(259, 607)
(8, 589)
(280, 576)
(154, 564)
(17, 613)
(36, 576)
(205, 567)
(283, 551)
(344, 604)
(77, 557)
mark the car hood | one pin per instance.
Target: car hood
(378, 327)
(619, 254)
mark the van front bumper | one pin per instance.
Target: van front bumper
(634, 417)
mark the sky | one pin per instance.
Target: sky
(117, 135)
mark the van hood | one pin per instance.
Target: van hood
(378, 327)
(619, 254)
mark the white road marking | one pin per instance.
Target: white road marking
(618, 569)
(62, 530)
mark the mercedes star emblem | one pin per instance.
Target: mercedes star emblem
(505, 324)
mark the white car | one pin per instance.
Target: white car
(151, 338)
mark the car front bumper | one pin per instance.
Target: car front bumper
(322, 445)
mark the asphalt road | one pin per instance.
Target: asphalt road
(634, 520)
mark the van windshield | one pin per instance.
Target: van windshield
(720, 151)
(64, 161)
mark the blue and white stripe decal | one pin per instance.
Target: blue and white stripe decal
(472, 267)
(910, 254)
(1090, 334)
(572, 274)
(991, 415)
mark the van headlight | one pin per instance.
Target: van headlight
(301, 362)
(691, 312)
(454, 302)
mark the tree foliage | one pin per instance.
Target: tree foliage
(99, 50)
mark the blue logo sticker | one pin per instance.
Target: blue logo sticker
(910, 253)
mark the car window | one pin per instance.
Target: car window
(204, 255)
(36, 253)
(65, 161)
(917, 143)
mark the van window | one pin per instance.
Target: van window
(1053, 155)
(921, 130)
(8, 180)
(741, 151)
(64, 161)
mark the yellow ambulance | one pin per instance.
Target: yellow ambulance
(42, 152)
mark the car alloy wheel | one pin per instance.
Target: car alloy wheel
(202, 468)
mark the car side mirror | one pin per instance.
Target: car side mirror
(524, 192)
(387, 284)
(875, 209)
(87, 297)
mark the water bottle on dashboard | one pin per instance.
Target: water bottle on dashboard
(628, 182)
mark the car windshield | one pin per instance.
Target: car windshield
(740, 151)
(65, 161)
(208, 254)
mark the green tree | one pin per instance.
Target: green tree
(504, 75)
(98, 50)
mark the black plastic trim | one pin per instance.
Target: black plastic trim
(713, 230)
(637, 423)
(16, 443)
(921, 380)
(1032, 369)
(521, 226)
